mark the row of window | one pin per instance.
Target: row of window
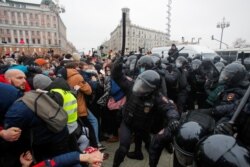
(25, 23)
(25, 15)
(22, 41)
(26, 32)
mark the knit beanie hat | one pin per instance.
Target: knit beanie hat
(41, 81)
(40, 61)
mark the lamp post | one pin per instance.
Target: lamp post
(57, 10)
(222, 25)
(199, 40)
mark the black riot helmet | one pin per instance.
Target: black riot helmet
(146, 83)
(195, 64)
(145, 63)
(185, 141)
(221, 150)
(219, 66)
(181, 61)
(216, 59)
(233, 74)
(156, 59)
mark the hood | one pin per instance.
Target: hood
(9, 94)
(71, 72)
(59, 83)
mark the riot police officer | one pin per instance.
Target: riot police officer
(143, 103)
(173, 53)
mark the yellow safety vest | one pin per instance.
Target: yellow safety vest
(69, 104)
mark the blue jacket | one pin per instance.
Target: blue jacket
(8, 95)
(19, 115)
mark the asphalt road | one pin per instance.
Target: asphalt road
(165, 160)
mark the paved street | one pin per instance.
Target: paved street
(165, 161)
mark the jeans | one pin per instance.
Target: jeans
(93, 121)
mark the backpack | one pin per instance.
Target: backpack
(47, 109)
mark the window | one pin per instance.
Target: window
(55, 42)
(1, 21)
(8, 31)
(16, 40)
(49, 34)
(18, 14)
(48, 25)
(47, 16)
(38, 32)
(36, 16)
(3, 39)
(13, 22)
(27, 40)
(13, 14)
(21, 32)
(54, 25)
(25, 23)
(38, 41)
(37, 24)
(33, 41)
(31, 23)
(49, 41)
(5, 13)
(24, 15)
(31, 15)
(6, 21)
(26, 32)
(14, 31)
(9, 40)
(19, 22)
(32, 33)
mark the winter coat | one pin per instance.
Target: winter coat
(73, 79)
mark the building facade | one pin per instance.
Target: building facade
(32, 26)
(136, 37)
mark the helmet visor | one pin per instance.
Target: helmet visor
(141, 88)
(225, 77)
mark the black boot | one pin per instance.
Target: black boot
(119, 156)
(135, 155)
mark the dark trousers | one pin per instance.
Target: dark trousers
(125, 140)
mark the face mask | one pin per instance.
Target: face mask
(142, 69)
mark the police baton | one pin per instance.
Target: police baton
(123, 32)
(240, 106)
(177, 51)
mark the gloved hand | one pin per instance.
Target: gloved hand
(225, 128)
(173, 125)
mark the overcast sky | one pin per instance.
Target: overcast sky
(90, 22)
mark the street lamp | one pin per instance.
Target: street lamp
(57, 10)
(222, 25)
(192, 40)
(199, 40)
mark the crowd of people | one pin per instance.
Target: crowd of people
(120, 98)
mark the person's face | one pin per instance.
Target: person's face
(18, 80)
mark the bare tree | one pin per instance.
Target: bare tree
(240, 43)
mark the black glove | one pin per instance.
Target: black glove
(173, 125)
(225, 128)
